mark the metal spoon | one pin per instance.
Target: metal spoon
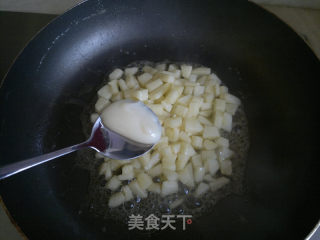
(102, 139)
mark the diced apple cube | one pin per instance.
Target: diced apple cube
(208, 178)
(216, 90)
(186, 70)
(193, 78)
(180, 110)
(169, 187)
(128, 94)
(115, 164)
(209, 145)
(137, 190)
(127, 193)
(227, 122)
(174, 94)
(188, 90)
(196, 142)
(159, 92)
(166, 77)
(169, 162)
(231, 108)
(144, 180)
(193, 126)
(226, 167)
(212, 165)
(144, 78)
(198, 91)
(198, 173)
(178, 82)
(113, 183)
(185, 100)
(223, 91)
(114, 86)
(155, 188)
(214, 79)
(132, 82)
(94, 117)
(155, 171)
(210, 132)
(177, 73)
(182, 160)
(202, 80)
(219, 105)
(205, 113)
(105, 92)
(154, 85)
(105, 169)
(207, 154)
(116, 97)
(154, 159)
(205, 121)
(185, 137)
(218, 119)
(131, 71)
(175, 148)
(127, 172)
(170, 175)
(221, 141)
(148, 69)
(172, 67)
(201, 189)
(194, 106)
(224, 153)
(196, 161)
(201, 71)
(157, 109)
(187, 149)
(166, 106)
(116, 200)
(186, 176)
(116, 74)
(141, 95)
(166, 152)
(163, 142)
(176, 203)
(161, 67)
(210, 89)
(137, 171)
(172, 134)
(144, 159)
(208, 97)
(229, 98)
(218, 183)
(122, 85)
(136, 163)
(168, 72)
(206, 106)
(194, 109)
(173, 122)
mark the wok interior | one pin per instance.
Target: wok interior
(258, 58)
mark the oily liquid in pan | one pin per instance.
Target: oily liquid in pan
(97, 199)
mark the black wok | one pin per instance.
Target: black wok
(262, 60)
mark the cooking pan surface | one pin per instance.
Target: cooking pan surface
(55, 78)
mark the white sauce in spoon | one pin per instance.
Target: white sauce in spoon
(132, 120)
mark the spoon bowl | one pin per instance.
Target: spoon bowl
(113, 145)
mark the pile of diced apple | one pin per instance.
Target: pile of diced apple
(193, 108)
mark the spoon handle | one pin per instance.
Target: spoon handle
(20, 166)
